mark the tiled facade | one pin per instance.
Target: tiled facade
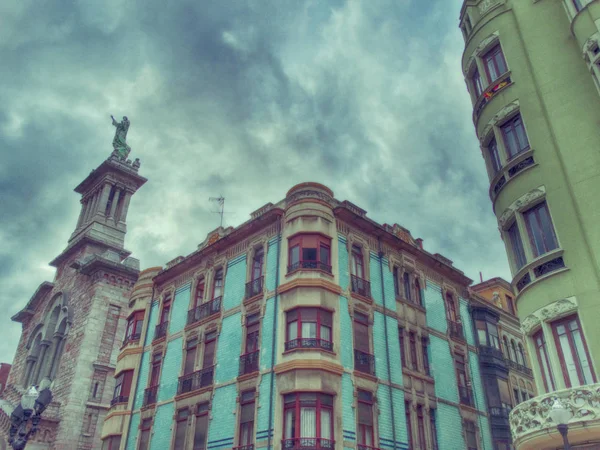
(211, 364)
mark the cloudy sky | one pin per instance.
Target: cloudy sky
(242, 98)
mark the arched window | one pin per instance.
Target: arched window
(521, 355)
(505, 347)
(418, 295)
(513, 348)
(200, 288)
(450, 308)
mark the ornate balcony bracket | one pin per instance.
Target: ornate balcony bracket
(532, 417)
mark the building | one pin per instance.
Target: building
(308, 326)
(504, 363)
(532, 69)
(70, 324)
(4, 371)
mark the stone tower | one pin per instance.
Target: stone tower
(72, 326)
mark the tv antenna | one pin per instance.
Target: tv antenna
(221, 201)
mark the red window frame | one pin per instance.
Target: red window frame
(166, 309)
(154, 377)
(217, 290)
(200, 289)
(247, 417)
(364, 418)
(510, 305)
(575, 352)
(357, 267)
(407, 289)
(514, 136)
(494, 156)
(201, 426)
(477, 83)
(252, 333)
(470, 435)
(298, 243)
(402, 347)
(191, 353)
(181, 420)
(134, 325)
(257, 264)
(210, 342)
(424, 347)
(421, 427)
(324, 318)
(495, 58)
(540, 229)
(516, 244)
(412, 344)
(294, 402)
(112, 442)
(451, 313)
(145, 427)
(396, 284)
(541, 349)
(361, 322)
(123, 384)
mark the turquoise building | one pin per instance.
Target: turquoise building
(307, 327)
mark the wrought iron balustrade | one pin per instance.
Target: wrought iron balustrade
(307, 444)
(249, 362)
(150, 395)
(456, 330)
(360, 286)
(161, 330)
(196, 380)
(119, 399)
(309, 343)
(204, 310)
(254, 287)
(317, 265)
(520, 367)
(364, 362)
(464, 394)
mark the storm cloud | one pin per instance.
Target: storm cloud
(240, 98)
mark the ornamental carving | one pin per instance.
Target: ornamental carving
(557, 308)
(532, 416)
(529, 323)
(485, 5)
(525, 200)
(500, 116)
(308, 193)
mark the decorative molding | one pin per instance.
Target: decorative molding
(548, 313)
(520, 204)
(530, 323)
(499, 117)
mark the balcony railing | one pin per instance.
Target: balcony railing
(360, 286)
(309, 265)
(249, 362)
(135, 337)
(456, 330)
(499, 411)
(161, 330)
(204, 310)
(309, 343)
(365, 447)
(520, 367)
(364, 362)
(307, 444)
(244, 447)
(196, 380)
(464, 394)
(150, 395)
(254, 287)
(486, 350)
(119, 399)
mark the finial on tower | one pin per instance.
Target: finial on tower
(121, 149)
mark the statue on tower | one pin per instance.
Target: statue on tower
(121, 149)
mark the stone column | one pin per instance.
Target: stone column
(42, 361)
(104, 194)
(86, 214)
(56, 342)
(56, 359)
(115, 201)
(81, 214)
(125, 206)
(30, 362)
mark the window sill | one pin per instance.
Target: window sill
(417, 374)
(516, 166)
(366, 376)
(311, 349)
(496, 86)
(529, 270)
(362, 298)
(411, 303)
(252, 299)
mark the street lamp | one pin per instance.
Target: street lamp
(33, 404)
(561, 416)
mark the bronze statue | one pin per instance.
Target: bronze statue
(121, 149)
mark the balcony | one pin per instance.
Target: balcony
(312, 265)
(364, 362)
(135, 337)
(309, 343)
(365, 447)
(150, 395)
(360, 286)
(499, 412)
(254, 287)
(119, 399)
(520, 367)
(204, 310)
(249, 362)
(196, 380)
(161, 330)
(307, 444)
(243, 447)
(532, 428)
(464, 395)
(455, 329)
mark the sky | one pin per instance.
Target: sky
(239, 98)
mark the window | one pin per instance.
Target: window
(517, 395)
(210, 340)
(155, 369)
(363, 360)
(166, 308)
(513, 347)
(412, 341)
(122, 387)
(218, 284)
(421, 427)
(396, 285)
(578, 5)
(310, 251)
(432, 427)
(250, 357)
(357, 268)
(487, 333)
(402, 347)
(408, 423)
(450, 308)
(504, 391)
(407, 290)
(111, 443)
(365, 419)
(191, 349)
(200, 288)
(506, 347)
(201, 426)
(494, 156)
(308, 328)
(494, 62)
(460, 367)
(471, 435)
(257, 264)
(145, 434)
(308, 421)
(418, 294)
(515, 138)
(540, 229)
(573, 352)
(542, 355)
(246, 434)
(510, 305)
(477, 83)
(521, 355)
(181, 421)
(516, 245)
(424, 347)
(134, 326)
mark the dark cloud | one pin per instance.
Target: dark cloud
(241, 99)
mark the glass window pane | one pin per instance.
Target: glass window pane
(290, 424)
(292, 330)
(489, 62)
(547, 228)
(325, 333)
(326, 424)
(309, 254)
(324, 254)
(517, 246)
(309, 330)
(582, 356)
(308, 421)
(200, 431)
(294, 255)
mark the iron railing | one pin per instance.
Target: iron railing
(249, 362)
(520, 367)
(196, 380)
(456, 330)
(309, 265)
(204, 310)
(161, 330)
(119, 399)
(307, 444)
(244, 447)
(132, 338)
(309, 343)
(464, 394)
(499, 411)
(150, 395)
(360, 286)
(364, 362)
(487, 350)
(254, 287)
(365, 447)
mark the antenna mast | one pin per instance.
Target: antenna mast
(221, 201)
